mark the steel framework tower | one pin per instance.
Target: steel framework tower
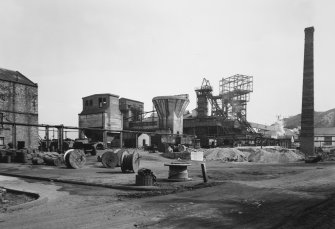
(235, 93)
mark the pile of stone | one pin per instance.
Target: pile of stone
(253, 154)
(225, 155)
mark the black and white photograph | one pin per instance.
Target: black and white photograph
(121, 114)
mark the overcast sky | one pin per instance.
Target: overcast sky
(140, 49)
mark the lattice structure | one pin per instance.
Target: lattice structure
(235, 93)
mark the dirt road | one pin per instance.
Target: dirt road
(240, 195)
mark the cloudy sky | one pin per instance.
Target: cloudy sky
(140, 49)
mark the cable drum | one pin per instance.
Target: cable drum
(130, 162)
(120, 153)
(75, 158)
(109, 159)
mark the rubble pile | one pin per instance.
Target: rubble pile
(225, 154)
(254, 154)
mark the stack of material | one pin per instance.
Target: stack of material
(48, 158)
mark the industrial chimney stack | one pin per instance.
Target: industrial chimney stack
(307, 111)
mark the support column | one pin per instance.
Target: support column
(121, 139)
(60, 138)
(307, 111)
(136, 136)
(104, 137)
(47, 138)
(14, 136)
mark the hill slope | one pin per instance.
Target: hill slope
(321, 119)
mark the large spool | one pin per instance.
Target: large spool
(130, 162)
(178, 171)
(120, 154)
(109, 159)
(74, 158)
(112, 159)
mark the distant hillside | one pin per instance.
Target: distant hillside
(321, 119)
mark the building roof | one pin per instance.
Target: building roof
(16, 77)
(330, 131)
(102, 94)
(125, 99)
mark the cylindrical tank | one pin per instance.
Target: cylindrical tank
(170, 110)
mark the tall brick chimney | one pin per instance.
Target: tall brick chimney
(307, 111)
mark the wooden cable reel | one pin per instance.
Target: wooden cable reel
(130, 162)
(109, 159)
(74, 158)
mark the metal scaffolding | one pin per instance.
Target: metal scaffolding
(230, 104)
(234, 94)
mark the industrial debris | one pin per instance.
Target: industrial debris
(145, 177)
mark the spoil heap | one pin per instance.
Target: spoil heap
(254, 154)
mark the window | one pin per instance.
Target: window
(86, 103)
(102, 102)
(2, 141)
(91, 102)
(328, 140)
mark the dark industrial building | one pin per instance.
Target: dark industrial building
(221, 117)
(19, 109)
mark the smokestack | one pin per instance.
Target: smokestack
(307, 111)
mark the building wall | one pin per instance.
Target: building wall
(131, 109)
(320, 141)
(100, 111)
(91, 120)
(19, 104)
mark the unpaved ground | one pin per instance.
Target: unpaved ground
(240, 195)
